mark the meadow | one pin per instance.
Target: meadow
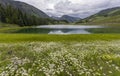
(56, 38)
(59, 55)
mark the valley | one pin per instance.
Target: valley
(57, 40)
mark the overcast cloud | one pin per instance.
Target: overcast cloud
(79, 8)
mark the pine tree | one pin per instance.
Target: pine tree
(11, 15)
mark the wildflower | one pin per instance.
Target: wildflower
(109, 71)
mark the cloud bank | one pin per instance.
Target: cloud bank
(79, 8)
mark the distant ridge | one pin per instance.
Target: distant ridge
(67, 18)
(110, 15)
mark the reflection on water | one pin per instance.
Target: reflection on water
(78, 32)
(68, 26)
(68, 29)
(56, 32)
(69, 32)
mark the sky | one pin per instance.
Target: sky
(76, 8)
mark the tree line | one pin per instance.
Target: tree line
(11, 15)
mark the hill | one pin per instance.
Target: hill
(11, 15)
(22, 14)
(107, 16)
(66, 18)
(69, 18)
(24, 7)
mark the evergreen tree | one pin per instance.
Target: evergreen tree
(11, 15)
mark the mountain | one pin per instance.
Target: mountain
(24, 7)
(56, 18)
(67, 18)
(22, 14)
(107, 16)
(109, 12)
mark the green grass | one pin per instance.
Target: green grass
(110, 30)
(7, 25)
(100, 20)
(9, 30)
(48, 38)
(58, 55)
(111, 19)
(90, 58)
(28, 30)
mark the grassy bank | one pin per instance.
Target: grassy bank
(48, 38)
(111, 30)
(8, 25)
(26, 30)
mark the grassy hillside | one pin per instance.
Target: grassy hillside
(106, 17)
(111, 19)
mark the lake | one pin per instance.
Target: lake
(70, 29)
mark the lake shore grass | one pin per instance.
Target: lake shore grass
(58, 38)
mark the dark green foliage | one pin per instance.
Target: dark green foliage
(11, 15)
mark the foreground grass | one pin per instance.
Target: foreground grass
(58, 38)
(90, 58)
(59, 55)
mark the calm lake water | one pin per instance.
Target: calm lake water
(69, 29)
